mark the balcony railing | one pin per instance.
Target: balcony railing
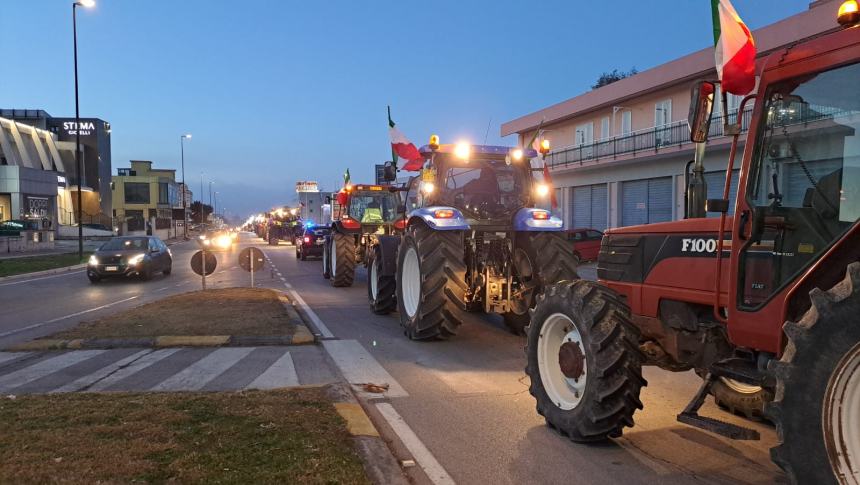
(650, 140)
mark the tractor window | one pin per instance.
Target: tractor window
(804, 185)
(484, 189)
(373, 207)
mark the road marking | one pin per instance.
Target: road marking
(434, 470)
(318, 323)
(198, 374)
(42, 278)
(7, 356)
(132, 369)
(280, 374)
(162, 289)
(37, 325)
(359, 367)
(45, 367)
(96, 376)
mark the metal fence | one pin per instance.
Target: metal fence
(69, 218)
(675, 134)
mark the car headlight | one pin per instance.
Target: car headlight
(223, 241)
(207, 242)
(93, 260)
(136, 259)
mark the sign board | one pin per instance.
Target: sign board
(307, 186)
(197, 263)
(251, 255)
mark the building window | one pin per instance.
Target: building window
(604, 128)
(163, 195)
(663, 113)
(584, 134)
(136, 193)
(626, 122)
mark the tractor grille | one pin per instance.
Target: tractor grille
(621, 258)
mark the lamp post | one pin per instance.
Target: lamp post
(80, 215)
(215, 207)
(184, 186)
(210, 196)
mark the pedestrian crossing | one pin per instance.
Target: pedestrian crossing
(162, 370)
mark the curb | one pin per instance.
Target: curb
(379, 462)
(64, 269)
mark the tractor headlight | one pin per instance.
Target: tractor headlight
(542, 190)
(136, 259)
(427, 187)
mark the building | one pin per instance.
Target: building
(311, 201)
(95, 161)
(620, 151)
(142, 194)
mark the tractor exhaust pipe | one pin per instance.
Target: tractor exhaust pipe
(697, 188)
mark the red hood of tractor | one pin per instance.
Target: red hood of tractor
(686, 226)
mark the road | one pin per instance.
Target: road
(460, 408)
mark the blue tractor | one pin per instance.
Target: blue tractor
(476, 239)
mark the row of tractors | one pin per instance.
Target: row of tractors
(762, 301)
(280, 224)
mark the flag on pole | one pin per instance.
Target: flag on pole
(734, 49)
(547, 179)
(403, 148)
(346, 177)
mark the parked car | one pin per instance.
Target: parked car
(586, 243)
(140, 256)
(311, 242)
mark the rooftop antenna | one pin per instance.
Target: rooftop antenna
(487, 135)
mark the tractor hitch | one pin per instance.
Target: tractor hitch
(691, 416)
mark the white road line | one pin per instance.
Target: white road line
(434, 470)
(288, 285)
(280, 374)
(45, 367)
(318, 323)
(42, 278)
(94, 377)
(162, 289)
(359, 367)
(37, 325)
(198, 374)
(7, 356)
(134, 368)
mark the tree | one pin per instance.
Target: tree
(196, 215)
(610, 77)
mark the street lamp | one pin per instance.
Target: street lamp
(210, 195)
(184, 186)
(215, 207)
(87, 4)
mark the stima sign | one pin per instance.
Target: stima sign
(86, 127)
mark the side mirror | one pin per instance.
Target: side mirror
(701, 107)
(389, 172)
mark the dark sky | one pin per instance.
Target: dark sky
(276, 91)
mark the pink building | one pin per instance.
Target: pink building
(620, 151)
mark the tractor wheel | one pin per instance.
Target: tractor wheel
(430, 282)
(381, 290)
(342, 260)
(583, 361)
(817, 405)
(326, 259)
(739, 398)
(273, 241)
(541, 259)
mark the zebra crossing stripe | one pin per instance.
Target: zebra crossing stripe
(44, 367)
(282, 373)
(90, 379)
(137, 366)
(198, 374)
(7, 356)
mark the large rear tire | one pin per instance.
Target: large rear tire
(430, 282)
(326, 259)
(342, 260)
(817, 403)
(583, 361)
(381, 289)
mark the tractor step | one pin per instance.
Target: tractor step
(741, 370)
(691, 416)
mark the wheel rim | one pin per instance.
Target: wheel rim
(411, 282)
(374, 279)
(842, 418)
(558, 337)
(333, 260)
(739, 386)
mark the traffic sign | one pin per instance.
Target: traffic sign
(251, 259)
(197, 263)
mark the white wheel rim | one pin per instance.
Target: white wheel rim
(739, 386)
(333, 256)
(411, 282)
(565, 392)
(841, 418)
(374, 280)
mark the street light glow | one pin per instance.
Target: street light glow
(87, 3)
(187, 135)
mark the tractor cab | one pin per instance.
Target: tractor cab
(367, 208)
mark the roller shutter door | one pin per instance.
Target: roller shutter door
(589, 207)
(646, 201)
(716, 182)
(795, 182)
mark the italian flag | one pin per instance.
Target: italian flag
(401, 147)
(734, 49)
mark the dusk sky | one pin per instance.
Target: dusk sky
(279, 91)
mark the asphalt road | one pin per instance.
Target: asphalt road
(468, 402)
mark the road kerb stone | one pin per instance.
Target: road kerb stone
(47, 344)
(357, 421)
(60, 270)
(192, 341)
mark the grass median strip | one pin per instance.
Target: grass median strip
(280, 436)
(218, 312)
(31, 264)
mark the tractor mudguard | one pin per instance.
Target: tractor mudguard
(428, 215)
(388, 246)
(524, 220)
(337, 226)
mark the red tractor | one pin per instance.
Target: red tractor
(765, 305)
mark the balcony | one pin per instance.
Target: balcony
(649, 141)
